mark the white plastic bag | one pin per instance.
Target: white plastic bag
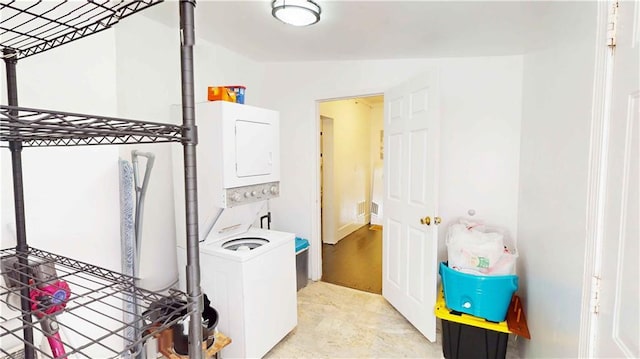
(477, 249)
(506, 265)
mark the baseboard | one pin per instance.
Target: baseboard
(347, 230)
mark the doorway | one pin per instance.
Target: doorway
(351, 160)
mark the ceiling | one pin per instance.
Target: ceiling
(353, 30)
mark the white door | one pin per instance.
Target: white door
(409, 267)
(618, 321)
(254, 148)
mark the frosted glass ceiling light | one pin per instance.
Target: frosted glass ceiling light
(296, 12)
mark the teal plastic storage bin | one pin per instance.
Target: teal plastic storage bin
(301, 244)
(483, 296)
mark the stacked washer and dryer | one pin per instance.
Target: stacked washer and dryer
(248, 273)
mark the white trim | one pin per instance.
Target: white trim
(315, 252)
(635, 42)
(596, 190)
(346, 230)
(633, 106)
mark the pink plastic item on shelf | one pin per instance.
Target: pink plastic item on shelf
(46, 301)
(49, 299)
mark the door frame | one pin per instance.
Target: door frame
(327, 193)
(315, 255)
(597, 183)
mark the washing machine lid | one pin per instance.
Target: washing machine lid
(234, 221)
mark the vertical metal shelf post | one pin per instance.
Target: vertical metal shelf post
(11, 60)
(194, 292)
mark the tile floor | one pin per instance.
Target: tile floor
(339, 322)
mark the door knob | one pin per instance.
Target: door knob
(426, 220)
(437, 220)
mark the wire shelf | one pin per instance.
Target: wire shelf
(37, 128)
(31, 27)
(98, 311)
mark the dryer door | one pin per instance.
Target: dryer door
(254, 148)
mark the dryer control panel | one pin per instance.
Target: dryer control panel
(253, 193)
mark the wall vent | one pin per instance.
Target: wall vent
(361, 208)
(374, 208)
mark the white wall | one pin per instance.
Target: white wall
(377, 125)
(377, 161)
(557, 97)
(148, 80)
(481, 111)
(71, 194)
(65, 211)
(351, 166)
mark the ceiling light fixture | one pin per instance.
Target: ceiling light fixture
(296, 12)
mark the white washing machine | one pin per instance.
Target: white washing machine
(248, 274)
(250, 277)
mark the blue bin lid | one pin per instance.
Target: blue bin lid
(301, 244)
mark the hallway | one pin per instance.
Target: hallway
(355, 261)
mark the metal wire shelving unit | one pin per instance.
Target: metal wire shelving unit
(28, 29)
(36, 128)
(96, 293)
